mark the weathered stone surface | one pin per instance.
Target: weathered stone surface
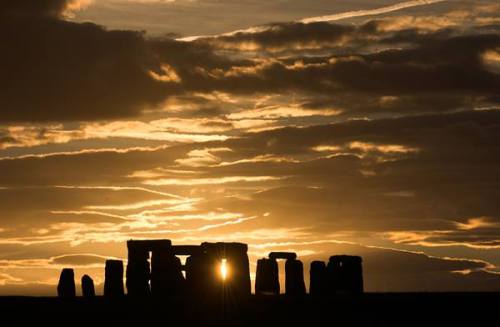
(113, 278)
(267, 279)
(88, 289)
(318, 285)
(166, 273)
(66, 287)
(345, 274)
(294, 278)
(282, 255)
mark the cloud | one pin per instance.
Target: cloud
(328, 18)
(366, 62)
(78, 260)
(58, 70)
(377, 11)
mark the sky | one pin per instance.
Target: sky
(321, 127)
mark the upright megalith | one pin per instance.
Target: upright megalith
(238, 268)
(318, 283)
(88, 289)
(198, 272)
(345, 274)
(267, 279)
(166, 273)
(294, 278)
(66, 286)
(138, 271)
(113, 279)
(233, 258)
(215, 269)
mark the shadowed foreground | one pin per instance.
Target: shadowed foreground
(370, 309)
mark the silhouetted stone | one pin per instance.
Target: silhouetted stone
(88, 289)
(345, 274)
(318, 284)
(203, 273)
(113, 279)
(166, 273)
(186, 249)
(237, 281)
(202, 268)
(66, 287)
(199, 271)
(282, 255)
(267, 279)
(294, 278)
(138, 272)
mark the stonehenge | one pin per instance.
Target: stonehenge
(214, 269)
(161, 274)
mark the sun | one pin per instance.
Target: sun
(224, 269)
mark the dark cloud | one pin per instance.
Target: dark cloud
(433, 67)
(282, 35)
(58, 70)
(47, 8)
(423, 72)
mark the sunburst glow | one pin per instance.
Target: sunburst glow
(224, 269)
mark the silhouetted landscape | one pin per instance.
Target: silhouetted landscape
(213, 288)
(250, 163)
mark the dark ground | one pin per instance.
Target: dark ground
(371, 309)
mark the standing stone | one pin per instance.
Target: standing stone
(294, 278)
(239, 269)
(88, 289)
(267, 279)
(66, 287)
(113, 279)
(354, 272)
(197, 273)
(318, 285)
(138, 272)
(345, 274)
(237, 284)
(166, 273)
(335, 275)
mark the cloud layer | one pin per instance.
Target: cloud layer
(377, 136)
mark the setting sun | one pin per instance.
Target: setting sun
(223, 269)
